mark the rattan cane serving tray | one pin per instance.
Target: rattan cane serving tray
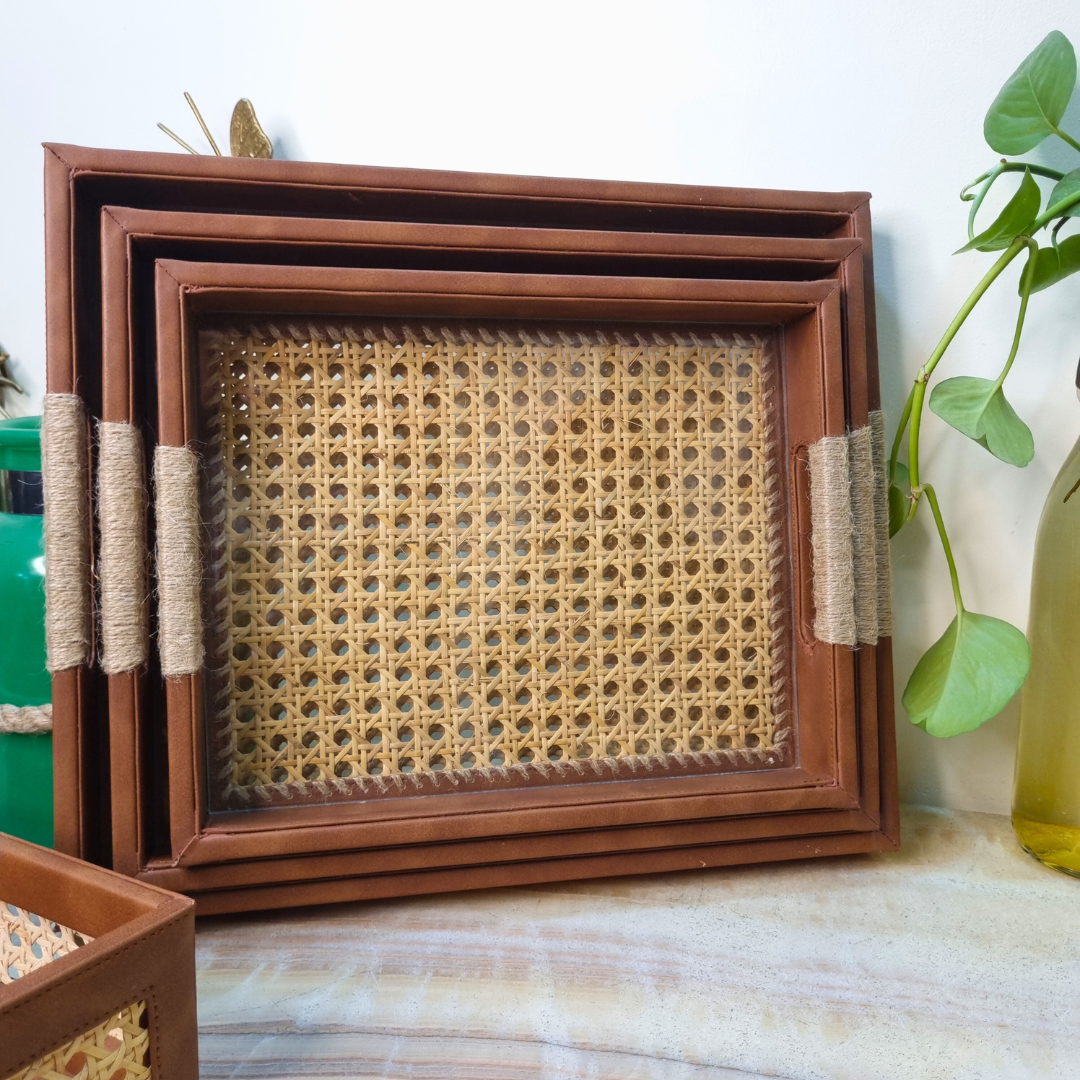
(130, 240)
(81, 181)
(468, 578)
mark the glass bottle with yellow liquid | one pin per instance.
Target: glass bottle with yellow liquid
(1046, 795)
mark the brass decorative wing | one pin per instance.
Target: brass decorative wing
(246, 136)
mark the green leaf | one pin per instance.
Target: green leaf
(1020, 211)
(1054, 264)
(1068, 185)
(1032, 102)
(899, 500)
(967, 676)
(977, 407)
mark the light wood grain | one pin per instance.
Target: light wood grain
(958, 957)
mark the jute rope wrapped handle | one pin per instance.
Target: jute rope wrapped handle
(830, 522)
(122, 566)
(849, 514)
(67, 532)
(881, 524)
(25, 719)
(863, 546)
(179, 564)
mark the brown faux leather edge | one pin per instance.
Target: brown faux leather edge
(177, 279)
(691, 857)
(88, 159)
(60, 379)
(143, 949)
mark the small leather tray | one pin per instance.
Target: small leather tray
(99, 971)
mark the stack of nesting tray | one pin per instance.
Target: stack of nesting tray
(504, 566)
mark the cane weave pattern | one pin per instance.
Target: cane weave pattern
(118, 1049)
(440, 554)
(27, 942)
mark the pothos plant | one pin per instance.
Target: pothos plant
(970, 673)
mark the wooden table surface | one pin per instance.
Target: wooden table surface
(958, 957)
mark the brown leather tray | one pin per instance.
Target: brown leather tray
(142, 953)
(217, 852)
(131, 239)
(80, 181)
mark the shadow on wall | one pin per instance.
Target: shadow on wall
(1054, 153)
(965, 772)
(286, 140)
(920, 778)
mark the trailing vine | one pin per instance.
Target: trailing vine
(972, 671)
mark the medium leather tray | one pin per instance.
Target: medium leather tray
(132, 238)
(245, 871)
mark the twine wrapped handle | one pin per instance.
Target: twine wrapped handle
(64, 477)
(849, 514)
(179, 563)
(122, 566)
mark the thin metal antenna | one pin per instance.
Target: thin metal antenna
(173, 135)
(202, 123)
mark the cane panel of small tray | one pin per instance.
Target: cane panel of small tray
(444, 553)
(28, 942)
(117, 1049)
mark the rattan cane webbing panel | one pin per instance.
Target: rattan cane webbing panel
(27, 942)
(117, 1049)
(462, 554)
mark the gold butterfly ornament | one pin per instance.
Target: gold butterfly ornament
(246, 136)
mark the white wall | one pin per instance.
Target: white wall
(829, 95)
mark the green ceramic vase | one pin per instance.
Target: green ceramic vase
(26, 803)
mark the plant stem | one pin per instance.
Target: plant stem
(931, 496)
(1051, 212)
(988, 279)
(978, 200)
(1025, 294)
(919, 391)
(1011, 166)
(899, 437)
(1065, 137)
